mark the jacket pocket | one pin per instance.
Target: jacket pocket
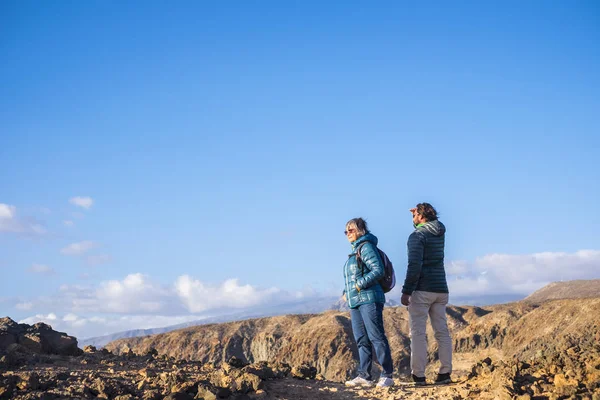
(359, 296)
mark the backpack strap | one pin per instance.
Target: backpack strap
(359, 260)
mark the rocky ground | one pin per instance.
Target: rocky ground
(102, 375)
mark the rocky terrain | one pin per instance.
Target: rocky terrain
(522, 350)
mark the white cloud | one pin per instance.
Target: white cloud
(83, 202)
(47, 318)
(7, 211)
(138, 294)
(495, 274)
(79, 248)
(10, 222)
(68, 222)
(41, 269)
(133, 294)
(198, 296)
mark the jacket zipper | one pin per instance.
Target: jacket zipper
(346, 272)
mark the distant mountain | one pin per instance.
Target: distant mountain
(311, 306)
(101, 341)
(485, 300)
(566, 290)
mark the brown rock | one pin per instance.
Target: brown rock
(103, 387)
(29, 381)
(280, 370)
(560, 380)
(220, 378)
(227, 367)
(185, 387)
(32, 341)
(246, 382)
(147, 373)
(39, 338)
(261, 370)
(304, 372)
(89, 349)
(205, 393)
(151, 395)
(236, 362)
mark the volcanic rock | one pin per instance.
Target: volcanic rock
(39, 338)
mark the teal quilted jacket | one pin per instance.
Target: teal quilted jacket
(366, 275)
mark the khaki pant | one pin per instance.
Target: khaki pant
(421, 305)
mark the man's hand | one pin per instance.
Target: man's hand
(357, 288)
(405, 299)
(344, 297)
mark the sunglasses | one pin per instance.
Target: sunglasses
(349, 231)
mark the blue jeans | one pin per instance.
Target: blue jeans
(367, 327)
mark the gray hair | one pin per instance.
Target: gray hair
(359, 224)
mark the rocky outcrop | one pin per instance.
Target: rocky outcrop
(38, 339)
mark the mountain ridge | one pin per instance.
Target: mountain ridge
(575, 289)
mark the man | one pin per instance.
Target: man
(425, 292)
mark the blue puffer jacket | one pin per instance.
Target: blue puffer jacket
(366, 275)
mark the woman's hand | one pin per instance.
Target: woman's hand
(357, 288)
(344, 297)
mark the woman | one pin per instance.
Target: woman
(365, 298)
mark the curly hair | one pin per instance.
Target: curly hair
(427, 211)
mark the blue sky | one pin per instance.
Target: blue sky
(216, 150)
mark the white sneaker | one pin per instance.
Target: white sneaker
(385, 382)
(358, 381)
